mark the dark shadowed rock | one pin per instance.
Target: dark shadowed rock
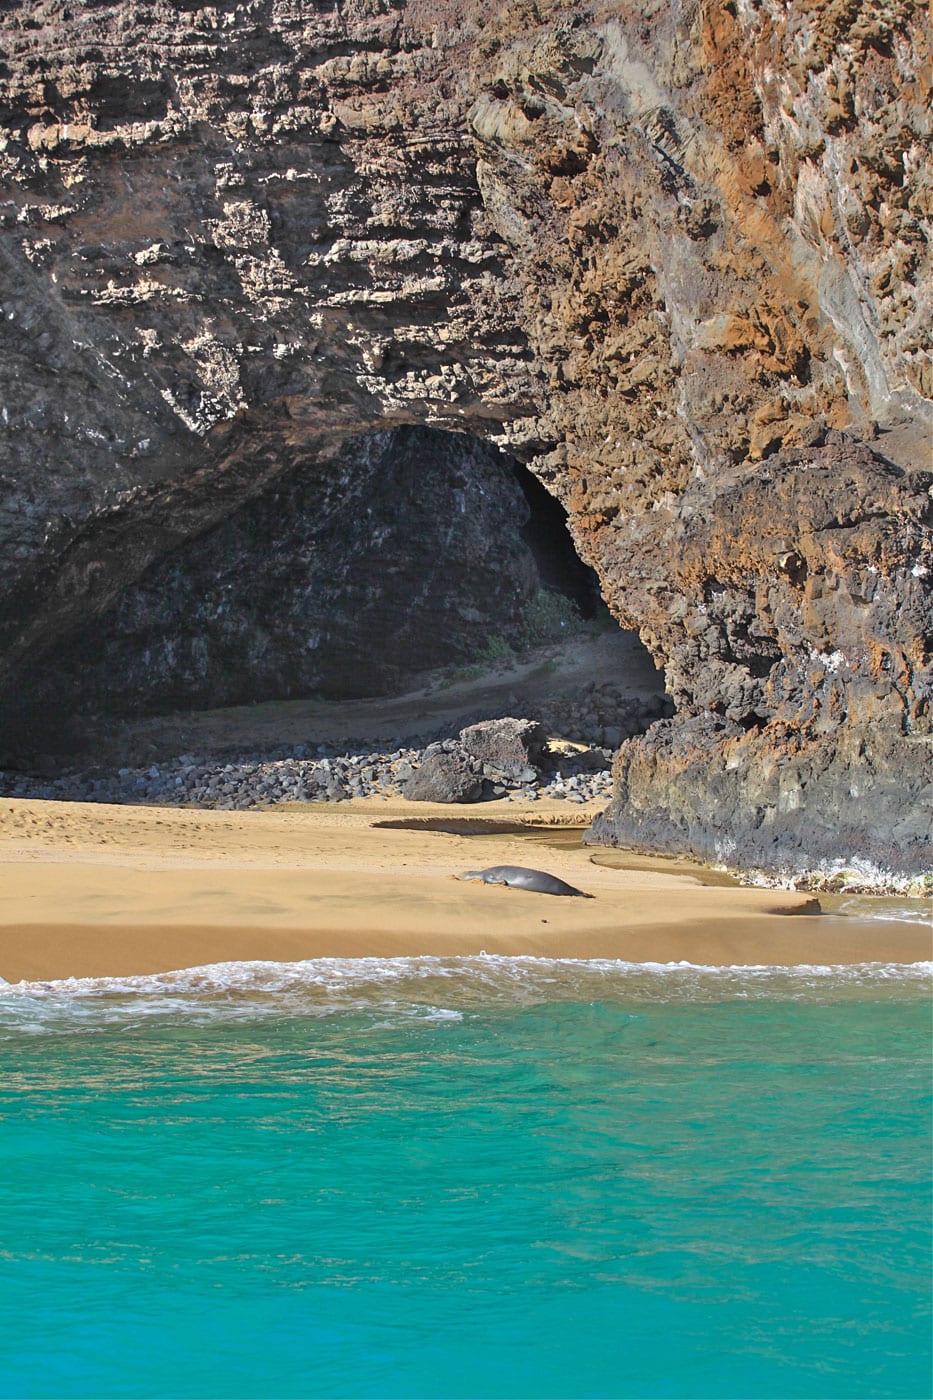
(734, 797)
(340, 579)
(446, 777)
(510, 746)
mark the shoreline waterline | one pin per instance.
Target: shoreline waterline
(493, 1177)
(441, 987)
(506, 1144)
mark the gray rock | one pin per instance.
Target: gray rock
(445, 777)
(511, 746)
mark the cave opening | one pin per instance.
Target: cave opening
(414, 557)
(548, 537)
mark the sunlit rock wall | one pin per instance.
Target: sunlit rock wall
(674, 257)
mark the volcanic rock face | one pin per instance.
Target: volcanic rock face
(673, 257)
(405, 552)
(808, 607)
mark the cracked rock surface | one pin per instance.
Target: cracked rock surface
(675, 258)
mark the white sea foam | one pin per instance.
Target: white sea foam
(438, 991)
(888, 911)
(342, 974)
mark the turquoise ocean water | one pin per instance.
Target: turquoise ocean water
(485, 1177)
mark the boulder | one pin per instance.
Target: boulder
(446, 777)
(508, 746)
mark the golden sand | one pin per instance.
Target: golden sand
(92, 890)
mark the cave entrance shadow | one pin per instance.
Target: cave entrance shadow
(412, 553)
(559, 565)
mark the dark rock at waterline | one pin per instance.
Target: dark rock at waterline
(708, 787)
(446, 777)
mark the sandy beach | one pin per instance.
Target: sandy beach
(94, 890)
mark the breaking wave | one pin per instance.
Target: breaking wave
(441, 990)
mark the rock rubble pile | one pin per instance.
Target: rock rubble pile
(318, 773)
(604, 714)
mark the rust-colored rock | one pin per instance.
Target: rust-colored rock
(673, 257)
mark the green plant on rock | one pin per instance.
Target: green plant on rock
(460, 674)
(548, 617)
(496, 649)
(601, 623)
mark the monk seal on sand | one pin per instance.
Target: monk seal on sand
(519, 877)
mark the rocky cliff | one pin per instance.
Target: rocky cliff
(674, 257)
(408, 551)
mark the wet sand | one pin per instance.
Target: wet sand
(93, 890)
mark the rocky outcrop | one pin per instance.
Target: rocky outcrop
(793, 610)
(406, 552)
(675, 258)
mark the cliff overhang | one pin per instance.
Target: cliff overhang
(675, 259)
